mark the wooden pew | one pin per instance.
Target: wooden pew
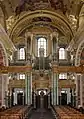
(17, 112)
(68, 113)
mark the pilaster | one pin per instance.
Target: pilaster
(28, 89)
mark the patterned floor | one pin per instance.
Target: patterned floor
(41, 114)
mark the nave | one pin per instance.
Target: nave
(41, 113)
(41, 108)
(56, 112)
(41, 59)
(25, 112)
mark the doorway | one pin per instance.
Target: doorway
(20, 98)
(63, 98)
(42, 100)
(46, 101)
(37, 101)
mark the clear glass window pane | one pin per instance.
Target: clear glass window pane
(41, 42)
(22, 76)
(61, 53)
(63, 76)
(21, 53)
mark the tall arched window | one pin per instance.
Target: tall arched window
(61, 53)
(21, 54)
(41, 45)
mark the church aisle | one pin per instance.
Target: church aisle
(41, 114)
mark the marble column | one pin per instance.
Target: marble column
(31, 50)
(31, 86)
(82, 90)
(68, 95)
(78, 90)
(10, 94)
(28, 89)
(73, 94)
(55, 76)
(55, 89)
(3, 96)
(15, 96)
(52, 90)
(4, 90)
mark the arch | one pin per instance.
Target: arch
(26, 20)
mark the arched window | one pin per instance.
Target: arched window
(61, 53)
(21, 54)
(41, 45)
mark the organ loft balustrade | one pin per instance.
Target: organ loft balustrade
(56, 69)
(16, 83)
(36, 84)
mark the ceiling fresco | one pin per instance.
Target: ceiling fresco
(70, 9)
(67, 7)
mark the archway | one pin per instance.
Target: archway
(37, 18)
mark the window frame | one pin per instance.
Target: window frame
(42, 42)
(21, 76)
(63, 76)
(21, 56)
(62, 53)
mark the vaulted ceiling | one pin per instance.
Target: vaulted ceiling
(69, 9)
(66, 6)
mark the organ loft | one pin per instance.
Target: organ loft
(42, 59)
